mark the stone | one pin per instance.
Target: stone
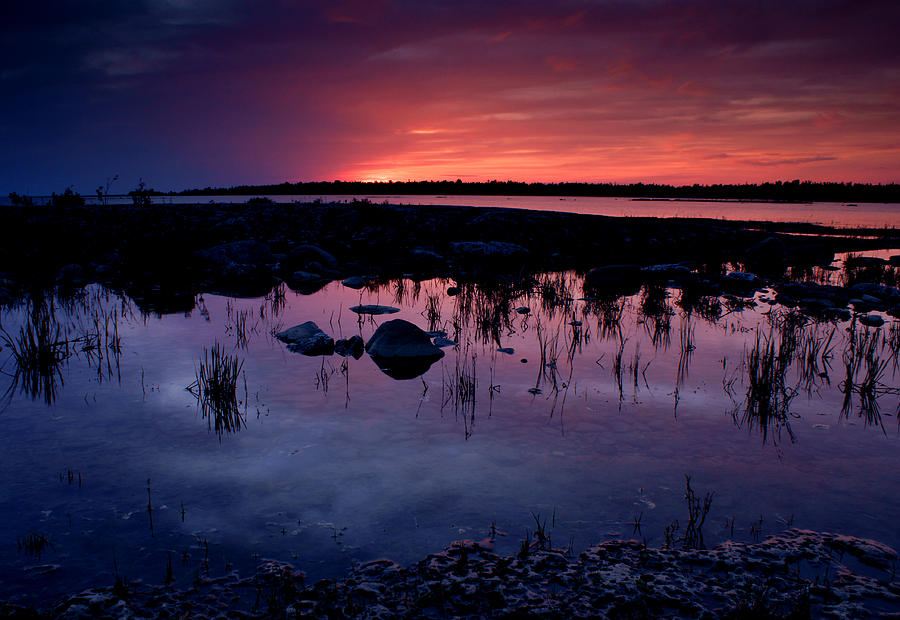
(402, 350)
(350, 347)
(246, 252)
(487, 249)
(355, 282)
(305, 254)
(307, 339)
(374, 309)
(871, 320)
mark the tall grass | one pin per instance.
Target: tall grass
(768, 397)
(215, 389)
(38, 353)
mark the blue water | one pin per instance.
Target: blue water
(336, 462)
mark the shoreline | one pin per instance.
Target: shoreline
(163, 255)
(796, 574)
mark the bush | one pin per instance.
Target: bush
(67, 199)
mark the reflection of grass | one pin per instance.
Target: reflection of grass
(859, 269)
(862, 356)
(34, 544)
(38, 353)
(768, 399)
(215, 389)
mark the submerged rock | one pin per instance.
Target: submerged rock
(307, 339)
(402, 350)
(374, 309)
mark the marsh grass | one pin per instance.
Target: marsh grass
(34, 544)
(814, 355)
(609, 313)
(768, 397)
(858, 269)
(459, 388)
(432, 311)
(698, 509)
(686, 352)
(865, 375)
(38, 352)
(215, 389)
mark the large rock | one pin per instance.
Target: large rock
(402, 350)
(307, 255)
(307, 339)
(247, 252)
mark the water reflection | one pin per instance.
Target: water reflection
(546, 395)
(38, 353)
(44, 344)
(215, 389)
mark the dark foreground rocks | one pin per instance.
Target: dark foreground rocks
(798, 574)
(163, 255)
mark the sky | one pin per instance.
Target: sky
(196, 93)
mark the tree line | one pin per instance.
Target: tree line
(787, 191)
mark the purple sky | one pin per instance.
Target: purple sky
(188, 93)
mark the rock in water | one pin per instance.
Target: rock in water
(355, 282)
(402, 350)
(307, 339)
(352, 346)
(374, 309)
(871, 320)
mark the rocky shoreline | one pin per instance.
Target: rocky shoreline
(797, 574)
(163, 255)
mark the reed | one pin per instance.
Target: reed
(34, 544)
(215, 389)
(768, 398)
(38, 353)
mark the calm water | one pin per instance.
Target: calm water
(828, 213)
(333, 461)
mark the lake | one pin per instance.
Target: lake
(589, 418)
(851, 215)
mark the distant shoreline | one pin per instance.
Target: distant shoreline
(779, 191)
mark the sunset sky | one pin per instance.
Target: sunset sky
(189, 93)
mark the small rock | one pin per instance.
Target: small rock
(307, 339)
(374, 309)
(347, 347)
(355, 282)
(871, 320)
